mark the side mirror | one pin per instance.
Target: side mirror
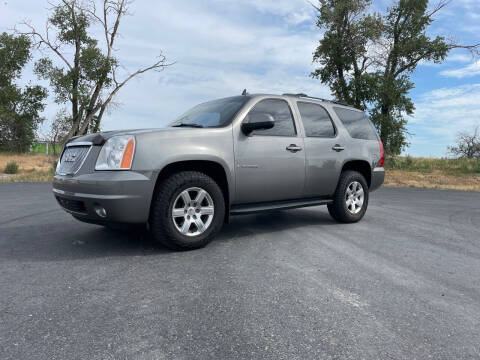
(258, 121)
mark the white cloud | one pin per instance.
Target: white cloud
(440, 114)
(461, 58)
(467, 71)
(295, 11)
(220, 47)
(444, 112)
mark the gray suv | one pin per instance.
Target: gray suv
(232, 156)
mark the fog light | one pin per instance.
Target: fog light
(100, 211)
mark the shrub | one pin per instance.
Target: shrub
(408, 162)
(11, 168)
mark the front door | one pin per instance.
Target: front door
(270, 164)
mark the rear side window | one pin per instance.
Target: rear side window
(316, 121)
(282, 114)
(357, 123)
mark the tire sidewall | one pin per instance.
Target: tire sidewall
(164, 228)
(348, 179)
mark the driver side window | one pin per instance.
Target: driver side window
(281, 113)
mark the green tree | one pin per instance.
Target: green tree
(87, 75)
(343, 52)
(19, 108)
(392, 45)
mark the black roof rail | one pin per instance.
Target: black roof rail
(318, 98)
(297, 95)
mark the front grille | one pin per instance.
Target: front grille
(72, 159)
(72, 205)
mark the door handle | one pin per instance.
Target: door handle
(293, 148)
(338, 147)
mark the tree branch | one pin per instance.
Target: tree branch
(34, 35)
(158, 66)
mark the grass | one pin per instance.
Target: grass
(31, 167)
(438, 173)
(429, 165)
(42, 148)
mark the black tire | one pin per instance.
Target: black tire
(338, 209)
(161, 222)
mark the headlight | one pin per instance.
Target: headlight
(116, 153)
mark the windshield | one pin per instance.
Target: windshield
(215, 113)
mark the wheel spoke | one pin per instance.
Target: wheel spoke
(359, 192)
(206, 210)
(185, 227)
(200, 196)
(186, 197)
(199, 224)
(178, 212)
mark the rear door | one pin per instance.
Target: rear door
(270, 164)
(324, 149)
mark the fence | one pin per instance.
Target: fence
(44, 147)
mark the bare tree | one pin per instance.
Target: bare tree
(59, 130)
(468, 145)
(88, 75)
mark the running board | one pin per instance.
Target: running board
(245, 209)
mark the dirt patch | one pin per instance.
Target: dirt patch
(27, 163)
(434, 179)
(31, 167)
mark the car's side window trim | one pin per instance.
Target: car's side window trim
(335, 130)
(273, 135)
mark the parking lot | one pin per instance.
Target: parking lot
(404, 283)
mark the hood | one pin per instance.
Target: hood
(101, 137)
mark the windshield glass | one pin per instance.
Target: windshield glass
(215, 113)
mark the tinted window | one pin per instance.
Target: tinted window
(316, 120)
(357, 124)
(215, 113)
(280, 111)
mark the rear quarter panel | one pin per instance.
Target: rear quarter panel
(355, 149)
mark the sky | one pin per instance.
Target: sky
(220, 47)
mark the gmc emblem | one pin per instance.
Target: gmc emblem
(71, 157)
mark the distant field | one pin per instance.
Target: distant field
(429, 165)
(436, 173)
(401, 171)
(42, 148)
(31, 167)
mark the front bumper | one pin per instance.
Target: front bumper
(125, 195)
(378, 177)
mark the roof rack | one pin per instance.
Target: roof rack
(317, 98)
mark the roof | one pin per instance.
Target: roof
(305, 96)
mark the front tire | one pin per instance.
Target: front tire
(350, 200)
(188, 210)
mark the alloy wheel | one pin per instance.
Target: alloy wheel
(193, 211)
(354, 197)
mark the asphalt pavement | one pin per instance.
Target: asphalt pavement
(404, 283)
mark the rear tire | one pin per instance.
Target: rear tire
(350, 200)
(188, 209)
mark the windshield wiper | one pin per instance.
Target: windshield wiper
(188, 125)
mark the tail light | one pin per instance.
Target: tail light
(382, 153)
